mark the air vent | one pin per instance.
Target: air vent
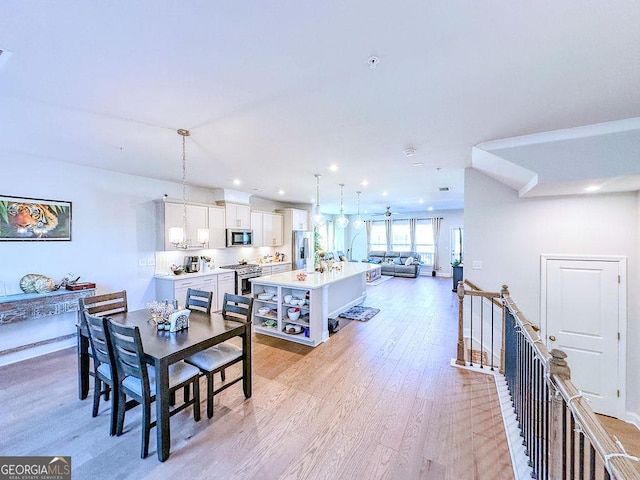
(444, 189)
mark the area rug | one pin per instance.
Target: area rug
(380, 280)
(360, 313)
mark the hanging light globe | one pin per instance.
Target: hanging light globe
(316, 217)
(342, 221)
(358, 223)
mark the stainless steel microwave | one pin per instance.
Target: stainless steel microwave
(237, 237)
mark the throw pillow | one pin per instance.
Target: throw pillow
(408, 261)
(397, 261)
(374, 260)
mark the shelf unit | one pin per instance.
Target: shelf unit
(273, 322)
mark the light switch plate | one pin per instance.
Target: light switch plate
(142, 262)
(476, 265)
(151, 261)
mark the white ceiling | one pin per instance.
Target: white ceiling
(274, 92)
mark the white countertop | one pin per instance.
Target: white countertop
(184, 276)
(273, 264)
(314, 280)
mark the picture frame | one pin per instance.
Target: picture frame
(34, 219)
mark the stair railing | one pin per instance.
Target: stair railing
(562, 436)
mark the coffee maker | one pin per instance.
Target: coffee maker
(192, 264)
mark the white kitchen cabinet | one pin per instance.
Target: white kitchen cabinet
(300, 219)
(275, 268)
(272, 233)
(256, 226)
(266, 270)
(295, 219)
(171, 215)
(217, 235)
(171, 288)
(226, 284)
(237, 215)
(285, 267)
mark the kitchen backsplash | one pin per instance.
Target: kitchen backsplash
(220, 257)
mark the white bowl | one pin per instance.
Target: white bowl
(293, 313)
(263, 310)
(287, 298)
(265, 296)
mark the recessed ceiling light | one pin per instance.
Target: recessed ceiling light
(430, 209)
(364, 183)
(421, 201)
(418, 164)
(592, 188)
(4, 56)
(333, 167)
(281, 191)
(373, 61)
(384, 194)
(236, 181)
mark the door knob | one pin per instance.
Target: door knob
(552, 338)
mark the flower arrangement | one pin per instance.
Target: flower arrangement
(207, 263)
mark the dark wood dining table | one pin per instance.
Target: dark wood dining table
(162, 348)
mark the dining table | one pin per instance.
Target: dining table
(163, 348)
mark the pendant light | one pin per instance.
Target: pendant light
(358, 223)
(342, 221)
(317, 218)
(177, 235)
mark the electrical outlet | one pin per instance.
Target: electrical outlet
(142, 262)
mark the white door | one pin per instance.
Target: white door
(584, 307)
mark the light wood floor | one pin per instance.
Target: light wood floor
(378, 400)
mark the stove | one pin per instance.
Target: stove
(243, 274)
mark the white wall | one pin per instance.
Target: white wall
(508, 234)
(113, 227)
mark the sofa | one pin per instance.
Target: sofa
(397, 264)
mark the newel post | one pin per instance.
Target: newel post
(503, 293)
(557, 368)
(460, 354)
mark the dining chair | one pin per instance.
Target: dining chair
(106, 304)
(139, 382)
(199, 300)
(219, 357)
(104, 371)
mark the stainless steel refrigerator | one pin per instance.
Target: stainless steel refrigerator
(301, 249)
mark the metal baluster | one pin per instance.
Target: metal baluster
(471, 333)
(481, 332)
(581, 456)
(572, 435)
(492, 330)
(564, 440)
(592, 462)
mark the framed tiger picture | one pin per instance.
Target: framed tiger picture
(33, 219)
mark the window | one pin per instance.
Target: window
(401, 236)
(424, 240)
(378, 236)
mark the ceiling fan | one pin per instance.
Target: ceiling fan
(388, 213)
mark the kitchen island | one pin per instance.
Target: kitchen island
(319, 297)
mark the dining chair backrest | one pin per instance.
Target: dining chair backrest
(237, 307)
(106, 304)
(99, 339)
(127, 352)
(200, 300)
